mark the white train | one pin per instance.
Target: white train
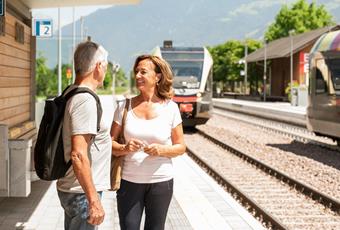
(192, 68)
(323, 111)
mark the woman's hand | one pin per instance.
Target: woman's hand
(153, 149)
(133, 145)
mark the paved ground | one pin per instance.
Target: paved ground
(198, 202)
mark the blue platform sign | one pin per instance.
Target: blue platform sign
(42, 27)
(2, 7)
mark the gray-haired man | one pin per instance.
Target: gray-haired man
(90, 151)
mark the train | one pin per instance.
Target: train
(193, 81)
(323, 110)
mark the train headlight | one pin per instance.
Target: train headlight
(199, 97)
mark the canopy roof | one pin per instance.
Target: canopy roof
(36, 4)
(281, 47)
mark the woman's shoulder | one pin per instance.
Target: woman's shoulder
(122, 100)
(171, 104)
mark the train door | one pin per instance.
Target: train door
(333, 64)
(318, 92)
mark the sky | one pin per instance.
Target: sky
(252, 8)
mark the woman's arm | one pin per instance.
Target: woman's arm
(123, 149)
(117, 149)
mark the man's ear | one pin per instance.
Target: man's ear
(98, 66)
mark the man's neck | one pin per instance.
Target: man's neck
(86, 81)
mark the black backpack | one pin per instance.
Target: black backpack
(49, 159)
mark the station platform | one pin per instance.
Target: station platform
(281, 111)
(198, 203)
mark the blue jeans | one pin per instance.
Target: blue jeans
(76, 210)
(133, 198)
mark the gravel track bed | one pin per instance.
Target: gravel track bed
(286, 128)
(267, 191)
(313, 165)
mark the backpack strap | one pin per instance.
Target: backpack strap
(77, 90)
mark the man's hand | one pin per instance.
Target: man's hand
(96, 213)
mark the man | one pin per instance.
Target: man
(90, 151)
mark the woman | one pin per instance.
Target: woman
(154, 134)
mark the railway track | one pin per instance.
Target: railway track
(293, 131)
(278, 200)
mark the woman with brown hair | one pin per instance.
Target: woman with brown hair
(154, 134)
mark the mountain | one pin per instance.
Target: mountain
(129, 30)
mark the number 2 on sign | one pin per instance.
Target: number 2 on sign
(47, 29)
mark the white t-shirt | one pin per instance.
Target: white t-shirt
(81, 118)
(140, 167)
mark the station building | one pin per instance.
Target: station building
(17, 90)
(278, 56)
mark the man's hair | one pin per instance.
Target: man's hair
(87, 55)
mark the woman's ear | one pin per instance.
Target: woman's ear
(158, 77)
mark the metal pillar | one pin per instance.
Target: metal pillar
(291, 32)
(245, 67)
(73, 43)
(265, 70)
(59, 54)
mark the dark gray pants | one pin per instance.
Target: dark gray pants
(133, 198)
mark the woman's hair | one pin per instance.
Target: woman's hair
(87, 55)
(164, 85)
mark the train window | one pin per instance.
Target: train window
(190, 55)
(334, 68)
(187, 74)
(321, 86)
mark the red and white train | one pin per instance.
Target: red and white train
(192, 69)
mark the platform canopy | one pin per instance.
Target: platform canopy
(281, 48)
(37, 4)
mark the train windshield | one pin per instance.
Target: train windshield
(334, 68)
(187, 74)
(187, 68)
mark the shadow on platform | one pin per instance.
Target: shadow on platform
(15, 211)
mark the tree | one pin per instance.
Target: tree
(227, 56)
(119, 76)
(301, 17)
(108, 77)
(46, 80)
(121, 79)
(64, 80)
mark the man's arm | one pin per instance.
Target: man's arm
(82, 170)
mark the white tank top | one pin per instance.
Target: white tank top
(140, 167)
